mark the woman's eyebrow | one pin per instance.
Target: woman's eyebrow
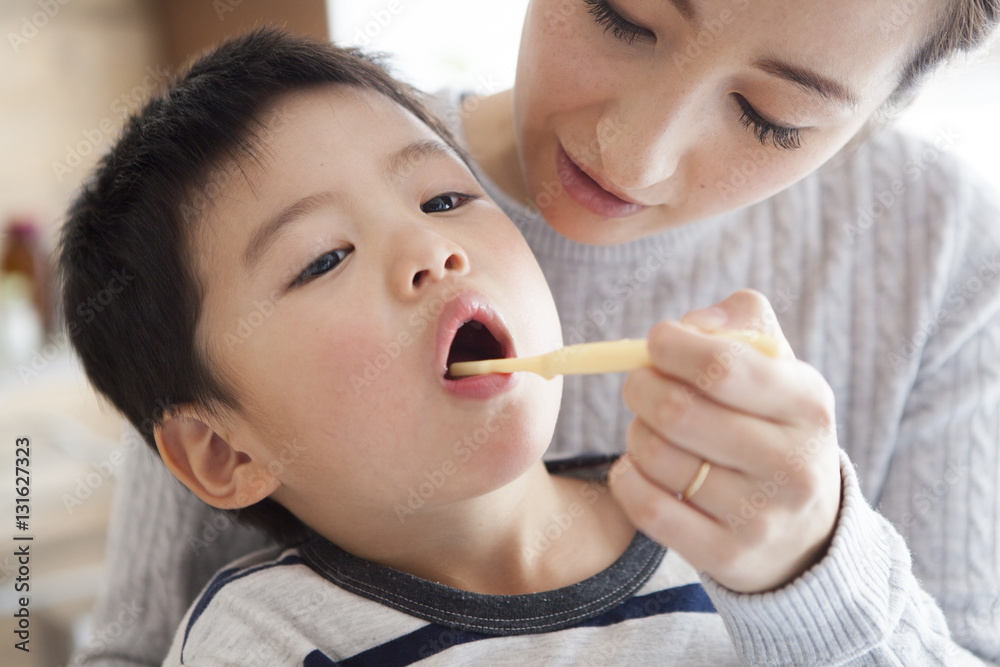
(808, 79)
(685, 9)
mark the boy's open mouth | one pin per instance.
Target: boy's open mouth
(473, 342)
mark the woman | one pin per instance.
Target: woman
(660, 157)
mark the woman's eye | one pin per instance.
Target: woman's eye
(446, 202)
(779, 136)
(325, 263)
(615, 23)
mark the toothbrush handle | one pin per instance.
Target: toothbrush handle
(627, 355)
(603, 357)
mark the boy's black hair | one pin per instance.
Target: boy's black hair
(131, 297)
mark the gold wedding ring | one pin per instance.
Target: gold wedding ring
(699, 479)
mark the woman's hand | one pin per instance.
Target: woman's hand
(766, 510)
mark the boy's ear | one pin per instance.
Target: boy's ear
(207, 464)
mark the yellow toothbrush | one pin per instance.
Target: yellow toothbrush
(588, 358)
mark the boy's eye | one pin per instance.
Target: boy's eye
(322, 264)
(446, 202)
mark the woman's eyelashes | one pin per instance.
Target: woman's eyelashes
(325, 263)
(615, 23)
(767, 132)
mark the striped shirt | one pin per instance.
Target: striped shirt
(317, 605)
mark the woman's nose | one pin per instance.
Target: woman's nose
(424, 258)
(643, 139)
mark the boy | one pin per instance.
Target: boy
(418, 517)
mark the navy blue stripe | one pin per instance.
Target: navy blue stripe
(408, 649)
(318, 659)
(223, 578)
(690, 598)
(434, 638)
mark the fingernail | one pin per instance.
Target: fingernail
(707, 318)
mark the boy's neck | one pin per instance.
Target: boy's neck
(541, 533)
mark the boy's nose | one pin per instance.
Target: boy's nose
(425, 258)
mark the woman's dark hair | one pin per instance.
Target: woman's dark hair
(965, 25)
(130, 294)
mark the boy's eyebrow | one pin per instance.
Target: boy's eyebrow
(264, 236)
(403, 160)
(397, 164)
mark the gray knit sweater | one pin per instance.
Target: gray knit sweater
(882, 268)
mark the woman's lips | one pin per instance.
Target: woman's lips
(585, 191)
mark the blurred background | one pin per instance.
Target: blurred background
(70, 72)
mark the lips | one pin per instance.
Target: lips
(587, 192)
(469, 329)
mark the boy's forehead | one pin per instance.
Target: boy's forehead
(323, 138)
(333, 122)
(297, 134)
